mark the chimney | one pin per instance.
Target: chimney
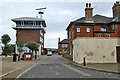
(116, 9)
(88, 12)
(58, 40)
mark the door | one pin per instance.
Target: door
(118, 53)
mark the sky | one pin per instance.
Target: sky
(58, 15)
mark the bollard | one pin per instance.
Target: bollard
(84, 63)
(14, 57)
(35, 56)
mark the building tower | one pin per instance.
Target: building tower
(30, 29)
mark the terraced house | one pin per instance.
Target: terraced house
(30, 29)
(95, 38)
(62, 45)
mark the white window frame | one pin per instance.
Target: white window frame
(88, 29)
(63, 45)
(102, 29)
(78, 29)
(41, 39)
(34, 23)
(22, 23)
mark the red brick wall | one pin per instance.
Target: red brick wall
(60, 48)
(83, 32)
(28, 35)
(98, 27)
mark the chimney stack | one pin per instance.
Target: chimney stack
(116, 10)
(58, 40)
(88, 12)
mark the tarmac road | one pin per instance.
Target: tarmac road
(56, 66)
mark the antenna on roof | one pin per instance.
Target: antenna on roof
(40, 11)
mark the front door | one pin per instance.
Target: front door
(118, 53)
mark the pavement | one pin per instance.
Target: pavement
(10, 69)
(104, 67)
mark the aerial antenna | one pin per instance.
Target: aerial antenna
(40, 11)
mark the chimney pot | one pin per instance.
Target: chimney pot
(58, 40)
(117, 2)
(86, 4)
(89, 4)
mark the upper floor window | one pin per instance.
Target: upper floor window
(88, 29)
(63, 45)
(41, 39)
(41, 32)
(78, 29)
(22, 23)
(103, 28)
(99, 35)
(18, 23)
(108, 35)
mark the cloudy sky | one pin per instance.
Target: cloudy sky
(58, 15)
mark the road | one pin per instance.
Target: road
(56, 66)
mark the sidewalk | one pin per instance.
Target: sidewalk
(9, 67)
(104, 67)
(110, 68)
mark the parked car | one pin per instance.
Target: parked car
(49, 53)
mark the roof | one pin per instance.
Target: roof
(27, 19)
(65, 41)
(97, 19)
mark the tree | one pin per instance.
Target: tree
(5, 39)
(33, 46)
(20, 45)
(7, 48)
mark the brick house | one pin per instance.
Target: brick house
(62, 45)
(94, 26)
(30, 29)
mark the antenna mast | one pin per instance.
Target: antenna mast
(40, 12)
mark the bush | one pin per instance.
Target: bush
(61, 53)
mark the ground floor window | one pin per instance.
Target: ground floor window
(108, 35)
(99, 35)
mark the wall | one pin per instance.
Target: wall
(60, 48)
(96, 50)
(28, 35)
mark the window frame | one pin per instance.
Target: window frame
(108, 35)
(99, 34)
(63, 45)
(104, 29)
(78, 29)
(88, 29)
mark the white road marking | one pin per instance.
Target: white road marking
(78, 71)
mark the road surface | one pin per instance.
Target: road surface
(56, 66)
